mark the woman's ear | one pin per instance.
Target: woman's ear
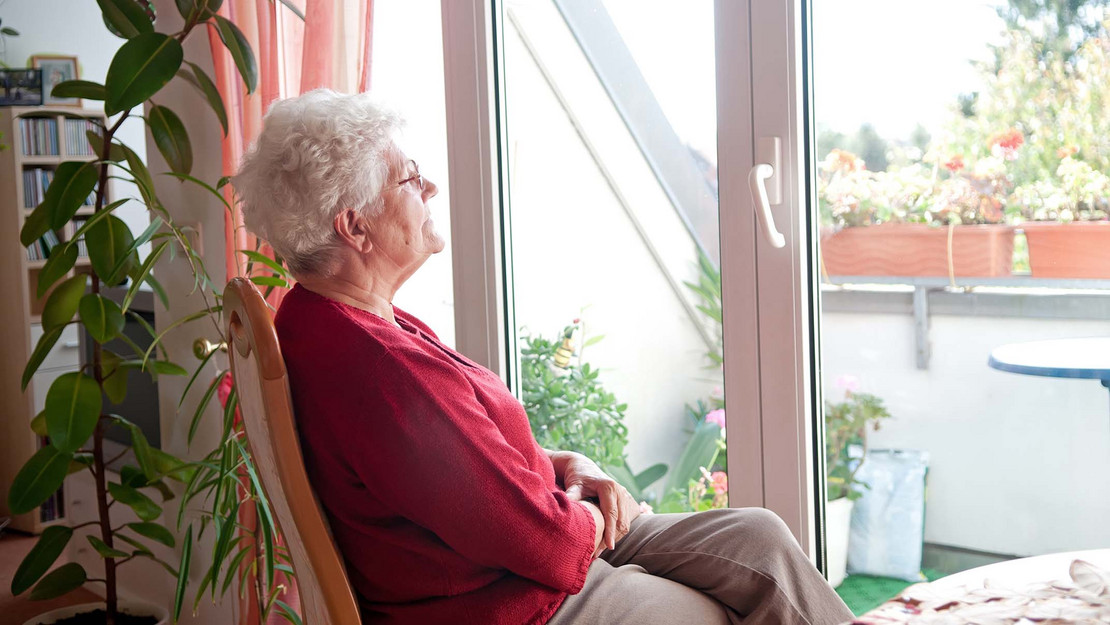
(353, 230)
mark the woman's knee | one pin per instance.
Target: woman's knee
(762, 525)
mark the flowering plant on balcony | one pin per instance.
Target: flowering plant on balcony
(846, 424)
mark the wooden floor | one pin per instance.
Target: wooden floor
(17, 610)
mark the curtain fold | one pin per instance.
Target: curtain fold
(330, 48)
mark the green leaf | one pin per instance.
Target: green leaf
(72, 409)
(699, 452)
(141, 175)
(198, 9)
(269, 281)
(143, 506)
(208, 88)
(236, 43)
(153, 531)
(80, 462)
(140, 68)
(125, 17)
(139, 547)
(108, 242)
(156, 366)
(115, 153)
(40, 478)
(11, 32)
(143, 272)
(65, 578)
(36, 224)
(183, 573)
(259, 257)
(42, 556)
(648, 476)
(288, 613)
(73, 182)
(213, 386)
(45, 344)
(60, 262)
(171, 138)
(130, 256)
(38, 424)
(114, 376)
(171, 466)
(101, 317)
(103, 549)
(141, 446)
(62, 303)
(78, 89)
(100, 215)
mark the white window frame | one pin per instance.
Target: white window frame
(767, 293)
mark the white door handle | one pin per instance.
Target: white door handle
(756, 178)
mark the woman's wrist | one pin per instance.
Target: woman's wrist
(599, 523)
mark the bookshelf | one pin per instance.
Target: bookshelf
(38, 139)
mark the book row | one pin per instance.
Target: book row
(40, 136)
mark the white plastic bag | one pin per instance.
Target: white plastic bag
(888, 522)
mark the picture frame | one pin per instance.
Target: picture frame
(21, 87)
(56, 69)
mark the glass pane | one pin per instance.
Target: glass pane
(410, 78)
(612, 188)
(963, 177)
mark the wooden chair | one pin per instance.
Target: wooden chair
(267, 412)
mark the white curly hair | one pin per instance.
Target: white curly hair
(318, 153)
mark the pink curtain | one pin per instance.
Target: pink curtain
(330, 48)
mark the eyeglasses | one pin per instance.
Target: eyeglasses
(419, 179)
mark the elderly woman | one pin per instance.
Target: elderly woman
(441, 501)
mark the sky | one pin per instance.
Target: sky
(890, 63)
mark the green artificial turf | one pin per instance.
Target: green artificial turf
(863, 592)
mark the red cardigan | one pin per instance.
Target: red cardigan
(440, 500)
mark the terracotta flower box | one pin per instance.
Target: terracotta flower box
(1074, 250)
(919, 250)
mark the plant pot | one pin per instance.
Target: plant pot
(978, 251)
(134, 608)
(838, 520)
(1073, 250)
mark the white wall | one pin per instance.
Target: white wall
(75, 28)
(1019, 464)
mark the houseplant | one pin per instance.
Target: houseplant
(569, 408)
(846, 424)
(74, 418)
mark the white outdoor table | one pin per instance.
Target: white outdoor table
(1081, 358)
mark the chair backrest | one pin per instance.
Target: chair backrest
(267, 412)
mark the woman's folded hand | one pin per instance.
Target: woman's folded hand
(582, 478)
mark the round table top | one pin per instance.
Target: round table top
(1052, 567)
(1087, 358)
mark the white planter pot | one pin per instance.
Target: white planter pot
(838, 520)
(138, 608)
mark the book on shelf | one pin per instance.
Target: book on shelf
(77, 142)
(35, 183)
(40, 136)
(40, 250)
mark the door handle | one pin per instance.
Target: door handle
(757, 178)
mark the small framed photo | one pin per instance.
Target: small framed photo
(56, 69)
(21, 87)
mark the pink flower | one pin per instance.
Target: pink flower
(720, 482)
(955, 164)
(645, 508)
(847, 383)
(717, 416)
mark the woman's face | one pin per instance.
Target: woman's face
(405, 231)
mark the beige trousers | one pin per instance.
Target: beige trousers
(719, 566)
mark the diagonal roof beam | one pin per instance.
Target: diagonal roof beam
(669, 158)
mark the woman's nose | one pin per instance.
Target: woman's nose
(430, 189)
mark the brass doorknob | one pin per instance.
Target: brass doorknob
(202, 347)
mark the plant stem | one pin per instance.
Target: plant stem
(111, 600)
